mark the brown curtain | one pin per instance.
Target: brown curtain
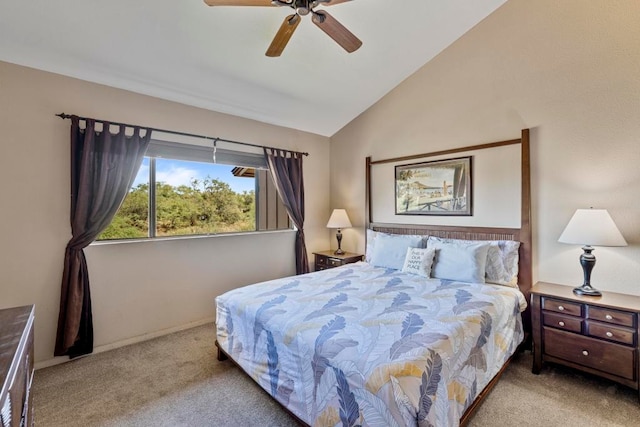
(103, 168)
(286, 170)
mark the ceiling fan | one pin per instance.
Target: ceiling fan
(321, 18)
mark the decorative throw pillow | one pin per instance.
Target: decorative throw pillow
(502, 263)
(371, 243)
(390, 250)
(419, 261)
(460, 262)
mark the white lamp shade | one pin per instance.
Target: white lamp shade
(593, 227)
(339, 219)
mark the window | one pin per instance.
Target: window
(186, 189)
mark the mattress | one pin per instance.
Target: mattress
(363, 345)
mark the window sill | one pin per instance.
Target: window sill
(199, 236)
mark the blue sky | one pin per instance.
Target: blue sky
(178, 172)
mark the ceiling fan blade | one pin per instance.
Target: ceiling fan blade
(331, 2)
(238, 2)
(336, 31)
(283, 35)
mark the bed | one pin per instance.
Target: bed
(379, 343)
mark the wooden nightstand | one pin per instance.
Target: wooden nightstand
(598, 335)
(327, 259)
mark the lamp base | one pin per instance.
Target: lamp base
(587, 260)
(339, 251)
(587, 290)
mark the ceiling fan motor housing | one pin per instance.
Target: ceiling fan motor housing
(302, 7)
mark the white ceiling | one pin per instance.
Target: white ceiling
(213, 57)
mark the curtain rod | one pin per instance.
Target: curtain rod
(68, 116)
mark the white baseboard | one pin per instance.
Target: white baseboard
(140, 338)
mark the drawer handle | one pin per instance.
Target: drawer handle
(561, 308)
(609, 334)
(585, 352)
(608, 317)
(561, 323)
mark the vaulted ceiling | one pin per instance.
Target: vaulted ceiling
(214, 57)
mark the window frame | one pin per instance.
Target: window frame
(264, 200)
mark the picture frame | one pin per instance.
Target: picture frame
(437, 188)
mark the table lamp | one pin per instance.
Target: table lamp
(339, 219)
(591, 227)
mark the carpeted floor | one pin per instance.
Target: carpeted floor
(176, 381)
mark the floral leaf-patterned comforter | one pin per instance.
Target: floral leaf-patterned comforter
(360, 345)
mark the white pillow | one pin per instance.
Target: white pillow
(372, 237)
(419, 261)
(502, 259)
(463, 263)
(390, 250)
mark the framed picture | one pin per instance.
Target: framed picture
(442, 187)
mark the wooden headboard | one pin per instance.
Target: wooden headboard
(522, 234)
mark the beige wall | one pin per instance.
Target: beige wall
(498, 170)
(569, 70)
(139, 289)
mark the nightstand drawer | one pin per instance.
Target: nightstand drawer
(560, 306)
(607, 357)
(559, 321)
(329, 259)
(334, 262)
(609, 332)
(602, 314)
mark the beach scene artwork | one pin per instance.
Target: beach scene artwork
(434, 188)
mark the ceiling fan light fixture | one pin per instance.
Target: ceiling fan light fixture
(302, 7)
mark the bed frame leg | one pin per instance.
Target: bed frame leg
(222, 356)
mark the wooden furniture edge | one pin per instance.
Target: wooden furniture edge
(24, 347)
(470, 411)
(613, 300)
(536, 334)
(331, 253)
